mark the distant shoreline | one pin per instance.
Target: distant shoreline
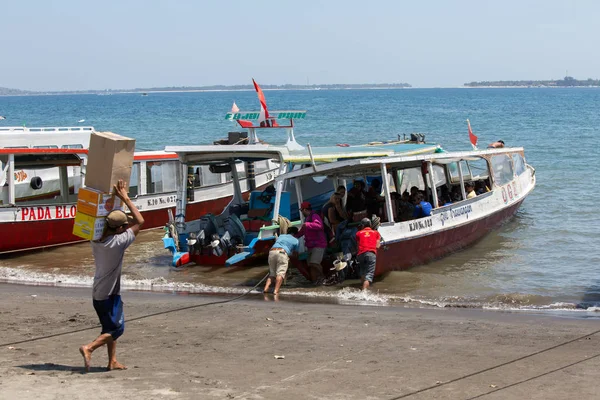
(215, 88)
(116, 92)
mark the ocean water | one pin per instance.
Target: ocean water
(547, 257)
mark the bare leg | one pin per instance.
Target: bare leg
(278, 282)
(316, 272)
(112, 356)
(86, 350)
(268, 284)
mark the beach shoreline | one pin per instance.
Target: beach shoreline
(331, 351)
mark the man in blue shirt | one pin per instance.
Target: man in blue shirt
(279, 258)
(422, 207)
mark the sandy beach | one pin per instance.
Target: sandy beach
(227, 351)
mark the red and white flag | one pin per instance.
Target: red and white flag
(235, 108)
(264, 111)
(472, 137)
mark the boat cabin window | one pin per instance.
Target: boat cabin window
(519, 163)
(208, 178)
(71, 146)
(478, 169)
(241, 169)
(261, 166)
(53, 146)
(134, 180)
(42, 185)
(502, 169)
(409, 177)
(161, 176)
(439, 175)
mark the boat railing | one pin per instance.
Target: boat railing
(59, 129)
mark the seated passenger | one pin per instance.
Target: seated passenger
(481, 188)
(422, 207)
(413, 191)
(373, 198)
(333, 212)
(406, 208)
(455, 194)
(496, 145)
(470, 190)
(357, 200)
(444, 200)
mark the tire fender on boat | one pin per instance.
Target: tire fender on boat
(36, 183)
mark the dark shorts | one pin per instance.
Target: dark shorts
(110, 313)
(366, 265)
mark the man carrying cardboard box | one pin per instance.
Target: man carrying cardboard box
(108, 252)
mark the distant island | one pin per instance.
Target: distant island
(338, 86)
(567, 81)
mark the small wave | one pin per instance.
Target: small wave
(345, 295)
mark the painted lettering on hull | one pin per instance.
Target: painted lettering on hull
(45, 213)
(420, 224)
(464, 210)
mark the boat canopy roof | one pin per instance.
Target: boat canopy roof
(44, 158)
(377, 149)
(218, 153)
(226, 153)
(368, 166)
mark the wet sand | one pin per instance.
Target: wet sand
(227, 351)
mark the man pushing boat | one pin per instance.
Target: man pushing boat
(120, 232)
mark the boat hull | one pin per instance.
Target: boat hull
(53, 225)
(421, 250)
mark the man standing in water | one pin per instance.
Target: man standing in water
(279, 258)
(108, 257)
(368, 242)
(313, 231)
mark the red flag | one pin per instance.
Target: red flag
(472, 137)
(264, 111)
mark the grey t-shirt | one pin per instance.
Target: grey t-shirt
(108, 255)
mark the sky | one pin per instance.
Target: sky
(76, 45)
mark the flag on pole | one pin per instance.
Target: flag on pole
(472, 137)
(242, 122)
(264, 111)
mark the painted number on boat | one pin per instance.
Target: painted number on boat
(158, 201)
(420, 224)
(45, 213)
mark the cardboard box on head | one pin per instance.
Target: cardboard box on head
(97, 204)
(88, 227)
(110, 158)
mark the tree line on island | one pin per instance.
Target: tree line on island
(335, 86)
(567, 81)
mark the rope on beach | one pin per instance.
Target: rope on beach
(505, 364)
(140, 317)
